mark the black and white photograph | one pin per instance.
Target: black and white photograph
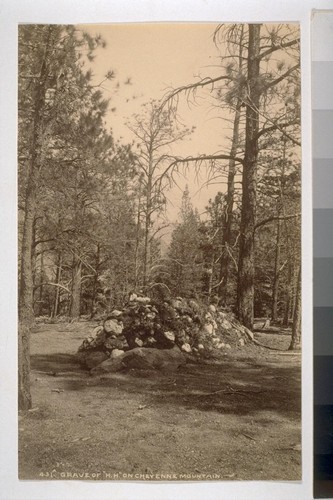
(159, 252)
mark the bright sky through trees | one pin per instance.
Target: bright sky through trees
(150, 59)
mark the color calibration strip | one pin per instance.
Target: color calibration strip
(322, 174)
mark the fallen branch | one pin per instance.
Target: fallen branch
(256, 342)
(247, 436)
(232, 391)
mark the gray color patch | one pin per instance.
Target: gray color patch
(323, 232)
(322, 133)
(323, 331)
(322, 87)
(323, 183)
(322, 282)
(323, 376)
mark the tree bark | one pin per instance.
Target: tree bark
(228, 217)
(95, 282)
(55, 308)
(276, 280)
(227, 223)
(146, 262)
(287, 297)
(137, 242)
(26, 314)
(295, 344)
(76, 290)
(245, 286)
(41, 281)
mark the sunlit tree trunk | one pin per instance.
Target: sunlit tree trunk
(26, 315)
(276, 279)
(245, 290)
(296, 330)
(76, 290)
(55, 308)
(228, 218)
(148, 212)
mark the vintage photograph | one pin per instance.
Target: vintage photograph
(159, 240)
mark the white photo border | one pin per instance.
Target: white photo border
(14, 12)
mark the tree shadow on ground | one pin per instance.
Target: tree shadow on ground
(231, 388)
(55, 363)
(240, 387)
(244, 389)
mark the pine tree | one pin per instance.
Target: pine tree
(54, 94)
(184, 256)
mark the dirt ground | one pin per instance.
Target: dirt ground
(233, 419)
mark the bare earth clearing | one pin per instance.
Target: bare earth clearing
(235, 419)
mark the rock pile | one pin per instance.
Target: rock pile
(177, 324)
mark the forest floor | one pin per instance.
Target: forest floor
(234, 419)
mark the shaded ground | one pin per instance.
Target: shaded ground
(238, 418)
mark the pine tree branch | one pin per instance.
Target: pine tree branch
(38, 242)
(282, 77)
(53, 284)
(281, 46)
(270, 219)
(280, 127)
(202, 158)
(276, 126)
(192, 86)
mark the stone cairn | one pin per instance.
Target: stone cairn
(180, 324)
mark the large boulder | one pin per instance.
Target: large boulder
(90, 359)
(158, 359)
(143, 358)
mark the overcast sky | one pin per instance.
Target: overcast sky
(158, 57)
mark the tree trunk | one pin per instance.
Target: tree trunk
(245, 286)
(276, 275)
(95, 283)
(41, 281)
(287, 297)
(227, 223)
(26, 315)
(137, 242)
(228, 217)
(148, 209)
(76, 290)
(55, 309)
(294, 288)
(296, 330)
